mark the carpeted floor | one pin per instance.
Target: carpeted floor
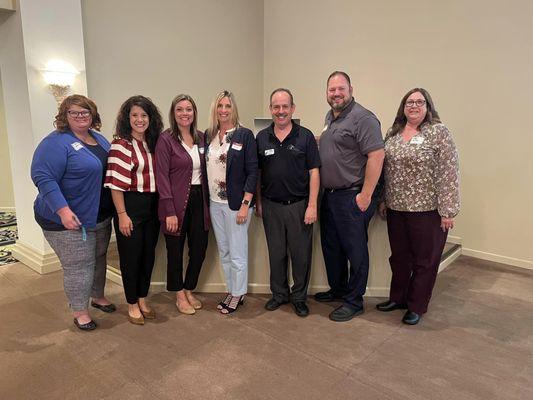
(476, 343)
(8, 235)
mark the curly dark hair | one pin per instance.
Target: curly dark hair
(155, 122)
(61, 121)
(432, 116)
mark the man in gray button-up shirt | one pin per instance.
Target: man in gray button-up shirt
(351, 153)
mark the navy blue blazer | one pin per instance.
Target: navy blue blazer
(241, 167)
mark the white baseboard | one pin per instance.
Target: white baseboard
(451, 258)
(258, 288)
(454, 239)
(483, 255)
(34, 259)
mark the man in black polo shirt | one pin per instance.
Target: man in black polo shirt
(351, 152)
(287, 200)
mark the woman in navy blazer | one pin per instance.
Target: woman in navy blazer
(232, 177)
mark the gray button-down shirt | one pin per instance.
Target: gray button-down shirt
(344, 145)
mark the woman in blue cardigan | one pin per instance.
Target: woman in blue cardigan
(72, 207)
(232, 176)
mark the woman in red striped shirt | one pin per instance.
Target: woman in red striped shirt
(131, 178)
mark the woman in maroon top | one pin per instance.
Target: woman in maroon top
(183, 198)
(130, 176)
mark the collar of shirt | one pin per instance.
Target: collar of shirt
(294, 131)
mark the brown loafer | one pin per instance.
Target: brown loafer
(136, 320)
(148, 314)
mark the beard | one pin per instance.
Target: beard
(339, 106)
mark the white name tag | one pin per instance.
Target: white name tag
(269, 152)
(417, 140)
(237, 146)
(77, 145)
(201, 150)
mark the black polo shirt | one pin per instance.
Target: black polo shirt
(285, 165)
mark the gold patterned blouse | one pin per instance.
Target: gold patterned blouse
(423, 173)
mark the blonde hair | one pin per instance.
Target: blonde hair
(213, 125)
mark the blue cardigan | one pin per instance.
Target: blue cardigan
(241, 167)
(67, 173)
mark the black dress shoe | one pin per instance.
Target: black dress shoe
(301, 309)
(325, 297)
(108, 308)
(411, 318)
(89, 326)
(274, 304)
(391, 306)
(344, 313)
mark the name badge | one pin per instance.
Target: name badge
(237, 146)
(417, 140)
(77, 145)
(269, 152)
(201, 150)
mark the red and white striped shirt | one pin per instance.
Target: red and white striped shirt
(130, 167)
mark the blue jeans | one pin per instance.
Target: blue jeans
(232, 242)
(343, 228)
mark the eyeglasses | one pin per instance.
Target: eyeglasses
(413, 103)
(77, 114)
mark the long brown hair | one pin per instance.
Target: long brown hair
(432, 116)
(174, 129)
(61, 121)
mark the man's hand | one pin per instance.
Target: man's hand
(310, 215)
(363, 201)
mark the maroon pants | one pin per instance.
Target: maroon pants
(416, 242)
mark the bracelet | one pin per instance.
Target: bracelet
(121, 212)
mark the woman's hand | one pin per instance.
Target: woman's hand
(124, 224)
(172, 224)
(68, 218)
(242, 214)
(446, 223)
(382, 210)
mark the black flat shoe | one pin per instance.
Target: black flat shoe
(301, 309)
(411, 318)
(274, 304)
(108, 308)
(388, 305)
(326, 297)
(89, 326)
(233, 304)
(344, 313)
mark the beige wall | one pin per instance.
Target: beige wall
(387, 47)
(474, 57)
(196, 47)
(6, 183)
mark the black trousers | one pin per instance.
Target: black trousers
(137, 252)
(192, 229)
(416, 241)
(285, 230)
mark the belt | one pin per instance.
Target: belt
(355, 188)
(287, 202)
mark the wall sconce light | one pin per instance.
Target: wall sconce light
(59, 75)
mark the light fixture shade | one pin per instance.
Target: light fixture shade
(58, 72)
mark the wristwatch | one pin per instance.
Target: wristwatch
(247, 202)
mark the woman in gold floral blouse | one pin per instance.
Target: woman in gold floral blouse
(421, 200)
